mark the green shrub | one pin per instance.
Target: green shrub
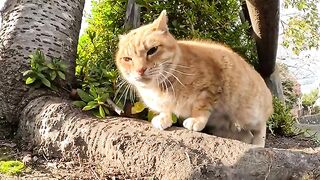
(309, 99)
(282, 121)
(291, 87)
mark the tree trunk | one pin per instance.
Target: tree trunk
(132, 19)
(264, 18)
(50, 25)
(136, 149)
(50, 125)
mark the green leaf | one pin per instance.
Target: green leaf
(53, 87)
(104, 97)
(84, 96)
(62, 75)
(30, 80)
(27, 72)
(151, 114)
(137, 107)
(79, 104)
(51, 66)
(90, 105)
(106, 110)
(93, 92)
(46, 82)
(43, 69)
(40, 75)
(53, 75)
(63, 67)
(101, 111)
(96, 113)
(174, 118)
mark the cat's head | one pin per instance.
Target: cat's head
(146, 54)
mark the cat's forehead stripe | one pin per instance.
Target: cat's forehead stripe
(137, 42)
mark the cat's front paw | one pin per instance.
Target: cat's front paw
(161, 121)
(194, 124)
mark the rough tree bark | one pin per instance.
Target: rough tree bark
(136, 149)
(132, 19)
(50, 25)
(52, 126)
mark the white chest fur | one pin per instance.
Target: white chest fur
(166, 102)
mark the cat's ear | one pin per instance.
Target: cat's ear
(161, 22)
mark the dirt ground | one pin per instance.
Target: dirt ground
(40, 167)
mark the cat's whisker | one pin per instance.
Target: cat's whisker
(123, 94)
(159, 82)
(153, 72)
(173, 64)
(165, 82)
(175, 78)
(125, 97)
(172, 87)
(184, 73)
(131, 94)
(119, 89)
(119, 85)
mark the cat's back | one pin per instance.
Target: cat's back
(205, 48)
(215, 58)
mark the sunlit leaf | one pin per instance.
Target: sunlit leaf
(90, 105)
(174, 118)
(101, 111)
(137, 107)
(27, 72)
(30, 80)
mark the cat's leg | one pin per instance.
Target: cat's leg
(259, 135)
(201, 111)
(162, 121)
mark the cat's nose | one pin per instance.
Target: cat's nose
(141, 71)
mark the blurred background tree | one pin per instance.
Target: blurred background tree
(302, 25)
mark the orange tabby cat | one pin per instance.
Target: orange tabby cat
(205, 82)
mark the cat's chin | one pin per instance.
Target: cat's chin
(141, 82)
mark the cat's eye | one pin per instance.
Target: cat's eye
(152, 50)
(127, 59)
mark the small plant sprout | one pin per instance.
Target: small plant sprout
(96, 100)
(42, 72)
